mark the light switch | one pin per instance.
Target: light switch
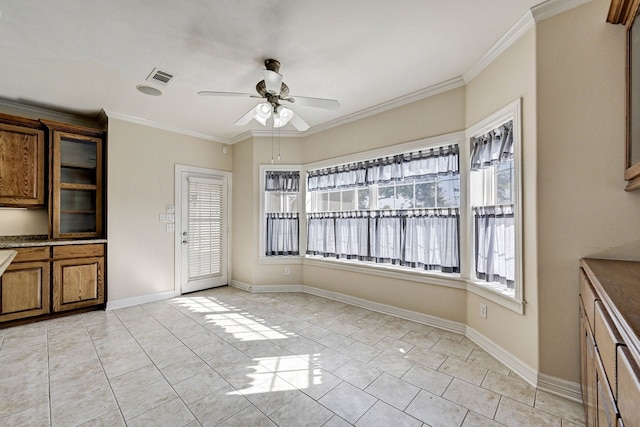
(171, 227)
(167, 217)
(171, 209)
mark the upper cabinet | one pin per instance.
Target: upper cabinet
(22, 163)
(625, 12)
(77, 191)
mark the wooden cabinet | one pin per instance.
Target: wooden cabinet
(22, 162)
(78, 276)
(24, 286)
(609, 342)
(76, 182)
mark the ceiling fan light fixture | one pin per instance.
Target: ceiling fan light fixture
(282, 116)
(262, 113)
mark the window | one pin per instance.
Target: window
(401, 210)
(281, 222)
(494, 204)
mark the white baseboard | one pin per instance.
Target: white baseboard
(560, 387)
(512, 362)
(266, 288)
(414, 316)
(143, 299)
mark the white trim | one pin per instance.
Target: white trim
(142, 299)
(263, 259)
(537, 14)
(512, 111)
(563, 388)
(177, 239)
(485, 291)
(383, 270)
(163, 126)
(256, 289)
(523, 25)
(280, 260)
(414, 316)
(551, 8)
(512, 362)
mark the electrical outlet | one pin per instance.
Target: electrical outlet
(483, 311)
(287, 271)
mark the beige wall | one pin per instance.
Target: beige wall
(20, 222)
(583, 210)
(253, 153)
(511, 76)
(140, 179)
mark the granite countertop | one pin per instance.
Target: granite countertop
(6, 256)
(12, 242)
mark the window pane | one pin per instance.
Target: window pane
(449, 193)
(334, 201)
(385, 197)
(273, 201)
(426, 195)
(363, 199)
(323, 202)
(290, 202)
(349, 200)
(404, 196)
(504, 183)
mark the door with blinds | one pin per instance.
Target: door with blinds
(204, 231)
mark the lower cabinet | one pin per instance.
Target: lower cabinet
(52, 279)
(24, 286)
(78, 276)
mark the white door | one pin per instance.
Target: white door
(203, 231)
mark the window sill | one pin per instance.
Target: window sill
(280, 259)
(395, 272)
(497, 294)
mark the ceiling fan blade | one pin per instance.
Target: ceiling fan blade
(298, 123)
(246, 118)
(327, 104)
(212, 93)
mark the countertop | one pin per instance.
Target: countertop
(6, 256)
(13, 242)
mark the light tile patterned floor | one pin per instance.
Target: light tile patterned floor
(230, 358)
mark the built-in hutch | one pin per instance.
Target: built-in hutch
(610, 342)
(58, 167)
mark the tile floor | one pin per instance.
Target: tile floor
(230, 358)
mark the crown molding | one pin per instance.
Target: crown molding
(537, 14)
(551, 8)
(162, 126)
(24, 110)
(523, 25)
(418, 95)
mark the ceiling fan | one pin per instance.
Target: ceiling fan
(273, 90)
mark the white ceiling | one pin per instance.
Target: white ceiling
(81, 56)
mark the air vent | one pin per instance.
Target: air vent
(160, 77)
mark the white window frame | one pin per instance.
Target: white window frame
(497, 292)
(452, 280)
(302, 235)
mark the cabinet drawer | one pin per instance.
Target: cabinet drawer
(33, 254)
(607, 412)
(608, 339)
(628, 388)
(589, 297)
(78, 251)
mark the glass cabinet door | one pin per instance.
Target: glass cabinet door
(77, 186)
